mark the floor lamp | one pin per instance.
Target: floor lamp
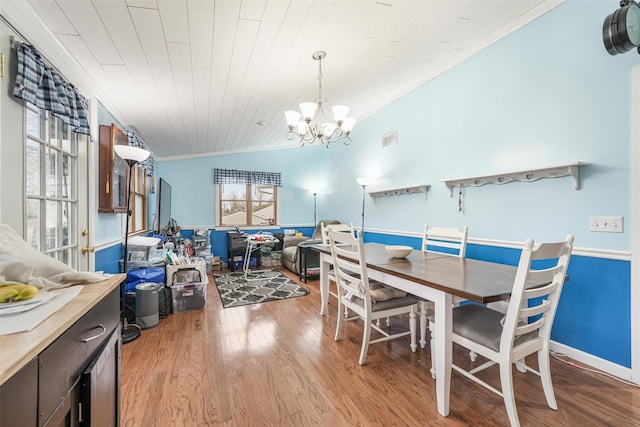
(131, 155)
(315, 193)
(363, 182)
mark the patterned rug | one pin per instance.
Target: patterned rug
(260, 286)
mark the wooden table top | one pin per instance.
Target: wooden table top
(16, 350)
(471, 279)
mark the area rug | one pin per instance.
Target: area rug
(259, 286)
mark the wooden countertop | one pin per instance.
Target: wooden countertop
(16, 350)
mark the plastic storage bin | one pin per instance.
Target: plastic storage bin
(188, 296)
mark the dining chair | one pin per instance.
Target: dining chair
(446, 240)
(526, 327)
(367, 302)
(342, 228)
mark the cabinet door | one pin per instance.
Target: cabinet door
(112, 180)
(67, 413)
(100, 392)
(19, 398)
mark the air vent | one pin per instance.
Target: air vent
(389, 139)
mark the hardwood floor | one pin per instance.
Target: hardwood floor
(276, 364)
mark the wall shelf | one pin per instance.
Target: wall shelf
(527, 175)
(400, 191)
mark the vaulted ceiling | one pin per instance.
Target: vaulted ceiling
(194, 77)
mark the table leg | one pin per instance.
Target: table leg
(245, 261)
(443, 350)
(324, 283)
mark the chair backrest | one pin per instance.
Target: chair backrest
(317, 232)
(536, 292)
(349, 264)
(343, 228)
(447, 240)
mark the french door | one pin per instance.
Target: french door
(56, 207)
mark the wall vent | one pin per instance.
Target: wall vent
(389, 139)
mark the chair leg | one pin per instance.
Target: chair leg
(473, 356)
(545, 376)
(412, 328)
(506, 381)
(432, 330)
(423, 323)
(365, 341)
(341, 309)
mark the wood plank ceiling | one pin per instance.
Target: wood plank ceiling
(195, 77)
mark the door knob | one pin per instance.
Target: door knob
(86, 249)
(84, 232)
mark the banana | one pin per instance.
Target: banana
(7, 295)
(22, 292)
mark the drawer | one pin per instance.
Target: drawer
(63, 361)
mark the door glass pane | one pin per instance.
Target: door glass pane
(65, 222)
(51, 170)
(66, 138)
(66, 177)
(33, 121)
(33, 168)
(33, 223)
(51, 221)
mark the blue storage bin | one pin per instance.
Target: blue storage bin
(153, 275)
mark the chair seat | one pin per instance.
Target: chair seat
(389, 304)
(483, 326)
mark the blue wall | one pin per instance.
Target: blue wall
(545, 95)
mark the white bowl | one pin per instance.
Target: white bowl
(398, 251)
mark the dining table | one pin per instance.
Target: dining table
(436, 277)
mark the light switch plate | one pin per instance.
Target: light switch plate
(606, 224)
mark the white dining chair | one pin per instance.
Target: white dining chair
(365, 301)
(449, 241)
(526, 327)
(342, 228)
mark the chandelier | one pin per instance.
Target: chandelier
(313, 127)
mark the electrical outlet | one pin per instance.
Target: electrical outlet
(606, 224)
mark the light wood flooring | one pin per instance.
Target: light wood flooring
(277, 364)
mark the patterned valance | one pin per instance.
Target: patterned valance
(136, 141)
(233, 176)
(39, 83)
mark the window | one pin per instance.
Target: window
(247, 197)
(247, 204)
(138, 200)
(51, 152)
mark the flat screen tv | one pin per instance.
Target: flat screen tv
(164, 205)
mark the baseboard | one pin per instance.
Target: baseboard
(593, 361)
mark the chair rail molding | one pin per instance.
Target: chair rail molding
(400, 191)
(526, 175)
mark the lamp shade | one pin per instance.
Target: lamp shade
(127, 152)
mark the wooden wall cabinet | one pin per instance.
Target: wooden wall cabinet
(112, 179)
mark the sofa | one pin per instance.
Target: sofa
(290, 251)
